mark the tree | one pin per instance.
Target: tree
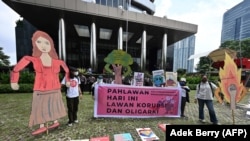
(204, 65)
(242, 47)
(181, 71)
(4, 59)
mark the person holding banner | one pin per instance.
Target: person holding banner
(99, 81)
(83, 80)
(184, 95)
(91, 80)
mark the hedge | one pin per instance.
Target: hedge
(26, 81)
(28, 88)
(23, 88)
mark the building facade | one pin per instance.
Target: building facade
(85, 31)
(236, 22)
(24, 31)
(184, 49)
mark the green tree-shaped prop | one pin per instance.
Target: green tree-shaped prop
(118, 59)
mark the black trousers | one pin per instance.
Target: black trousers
(82, 86)
(72, 105)
(90, 87)
(183, 104)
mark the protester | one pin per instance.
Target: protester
(83, 80)
(72, 95)
(204, 96)
(91, 80)
(148, 82)
(89, 71)
(47, 103)
(99, 81)
(184, 96)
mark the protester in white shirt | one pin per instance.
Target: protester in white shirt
(73, 93)
(99, 81)
(184, 96)
(204, 96)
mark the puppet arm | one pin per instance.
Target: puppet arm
(66, 69)
(14, 74)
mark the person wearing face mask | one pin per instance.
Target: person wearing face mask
(184, 95)
(98, 81)
(204, 96)
(73, 93)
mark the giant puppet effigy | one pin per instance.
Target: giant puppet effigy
(230, 84)
(119, 60)
(47, 103)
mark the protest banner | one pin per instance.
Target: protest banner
(137, 102)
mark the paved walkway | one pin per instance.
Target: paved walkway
(224, 113)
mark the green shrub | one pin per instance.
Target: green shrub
(26, 77)
(23, 88)
(4, 78)
(192, 86)
(5, 88)
(193, 80)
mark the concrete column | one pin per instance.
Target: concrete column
(62, 40)
(164, 52)
(93, 61)
(120, 41)
(143, 50)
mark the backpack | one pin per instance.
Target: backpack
(209, 85)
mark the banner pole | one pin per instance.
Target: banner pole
(47, 128)
(233, 116)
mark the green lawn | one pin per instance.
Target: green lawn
(15, 109)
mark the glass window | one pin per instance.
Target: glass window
(115, 3)
(109, 3)
(237, 29)
(120, 2)
(103, 2)
(126, 3)
(98, 1)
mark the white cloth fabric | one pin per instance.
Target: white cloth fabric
(99, 81)
(183, 91)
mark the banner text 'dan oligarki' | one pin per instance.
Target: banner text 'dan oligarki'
(134, 101)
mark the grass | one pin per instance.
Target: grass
(15, 110)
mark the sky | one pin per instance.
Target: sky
(207, 14)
